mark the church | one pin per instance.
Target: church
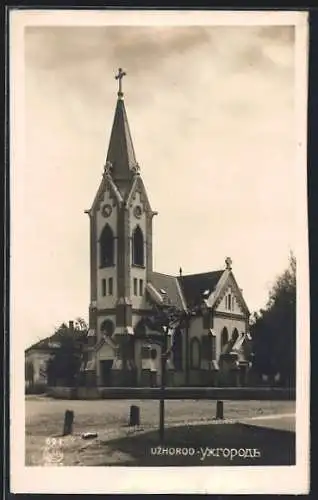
(211, 347)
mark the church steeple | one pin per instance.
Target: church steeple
(120, 236)
(121, 158)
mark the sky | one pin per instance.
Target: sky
(212, 117)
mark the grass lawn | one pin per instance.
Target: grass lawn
(117, 444)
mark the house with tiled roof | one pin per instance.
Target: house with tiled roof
(36, 359)
(210, 347)
(39, 353)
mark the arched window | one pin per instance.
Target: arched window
(107, 327)
(138, 247)
(235, 335)
(106, 243)
(224, 337)
(195, 353)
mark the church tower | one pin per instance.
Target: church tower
(120, 244)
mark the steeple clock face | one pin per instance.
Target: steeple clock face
(138, 211)
(106, 210)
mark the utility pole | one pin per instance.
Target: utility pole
(187, 321)
(164, 317)
(163, 383)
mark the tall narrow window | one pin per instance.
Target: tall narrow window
(138, 247)
(106, 244)
(141, 287)
(224, 337)
(103, 287)
(135, 286)
(110, 286)
(235, 335)
(229, 302)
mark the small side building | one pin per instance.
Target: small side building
(36, 359)
(38, 355)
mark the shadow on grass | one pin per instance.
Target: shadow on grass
(275, 447)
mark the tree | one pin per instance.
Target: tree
(81, 325)
(64, 365)
(274, 329)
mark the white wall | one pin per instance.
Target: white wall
(197, 330)
(38, 359)
(106, 352)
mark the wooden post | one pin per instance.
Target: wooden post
(163, 385)
(68, 422)
(219, 410)
(134, 416)
(187, 325)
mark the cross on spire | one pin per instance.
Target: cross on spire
(119, 77)
(228, 262)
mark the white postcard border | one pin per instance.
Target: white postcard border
(247, 480)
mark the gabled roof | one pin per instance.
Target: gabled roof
(106, 182)
(44, 345)
(195, 285)
(105, 340)
(138, 186)
(228, 279)
(171, 286)
(52, 343)
(121, 152)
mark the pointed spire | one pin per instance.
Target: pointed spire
(121, 155)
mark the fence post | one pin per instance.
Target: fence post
(68, 422)
(163, 385)
(219, 410)
(134, 416)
